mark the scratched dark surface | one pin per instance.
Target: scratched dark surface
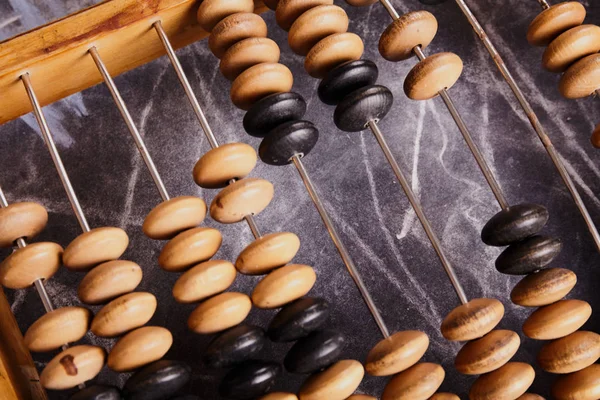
(358, 187)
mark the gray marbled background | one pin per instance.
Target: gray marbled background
(356, 183)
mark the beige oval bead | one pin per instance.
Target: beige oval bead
(204, 280)
(444, 396)
(544, 287)
(95, 247)
(279, 396)
(488, 353)
(213, 11)
(108, 281)
(139, 347)
(557, 320)
(506, 383)
(572, 353)
(284, 285)
(417, 28)
(190, 248)
(124, 314)
(220, 165)
(570, 46)
(581, 385)
(73, 367)
(28, 264)
(21, 220)
(61, 326)
(234, 28)
(418, 382)
(331, 52)
(595, 139)
(472, 320)
(245, 197)
(248, 53)
(398, 352)
(258, 82)
(288, 11)
(582, 79)
(335, 383)
(220, 312)
(530, 396)
(314, 25)
(433, 74)
(268, 252)
(361, 397)
(174, 216)
(552, 22)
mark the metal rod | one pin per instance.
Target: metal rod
(545, 5)
(62, 172)
(340, 246)
(253, 226)
(416, 205)
(130, 124)
(389, 7)
(43, 295)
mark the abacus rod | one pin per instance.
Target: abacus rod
(390, 9)
(544, 3)
(114, 91)
(253, 226)
(340, 246)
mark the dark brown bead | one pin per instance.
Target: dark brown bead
(528, 256)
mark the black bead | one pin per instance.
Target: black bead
(528, 256)
(514, 224)
(249, 380)
(234, 345)
(157, 381)
(273, 111)
(97, 392)
(314, 352)
(361, 106)
(288, 140)
(345, 79)
(297, 319)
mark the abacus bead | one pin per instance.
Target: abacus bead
(259, 81)
(21, 220)
(213, 11)
(283, 286)
(472, 320)
(514, 224)
(233, 29)
(124, 314)
(139, 347)
(552, 22)
(369, 103)
(267, 253)
(508, 382)
(272, 111)
(570, 46)
(314, 352)
(529, 255)
(245, 197)
(581, 385)
(332, 51)
(335, 383)
(530, 396)
(204, 280)
(288, 11)
(220, 165)
(572, 353)
(279, 396)
(220, 312)
(361, 396)
(396, 353)
(173, 216)
(582, 78)
(249, 380)
(73, 367)
(433, 74)
(189, 248)
(444, 396)
(557, 320)
(544, 287)
(298, 319)
(157, 381)
(417, 28)
(361, 3)
(247, 53)
(97, 392)
(345, 79)
(488, 353)
(28, 264)
(234, 345)
(595, 139)
(314, 25)
(419, 382)
(288, 140)
(95, 247)
(109, 280)
(53, 329)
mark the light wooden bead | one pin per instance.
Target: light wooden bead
(361, 3)
(544, 287)
(530, 396)
(204, 280)
(288, 11)
(95, 247)
(213, 11)
(595, 139)
(190, 248)
(314, 25)
(72, 367)
(331, 52)
(108, 281)
(361, 397)
(570, 354)
(28, 264)
(433, 74)
(124, 314)
(220, 165)
(557, 320)
(279, 396)
(245, 197)
(581, 385)
(552, 22)
(570, 46)
(220, 312)
(472, 320)
(173, 216)
(444, 396)
(417, 28)
(61, 326)
(418, 382)
(234, 28)
(506, 383)
(488, 353)
(248, 53)
(335, 383)
(139, 347)
(21, 220)
(396, 353)
(582, 79)
(268, 252)
(283, 286)
(258, 82)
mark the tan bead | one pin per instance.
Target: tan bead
(335, 383)
(258, 82)
(396, 353)
(139, 347)
(472, 320)
(552, 22)
(248, 53)
(108, 281)
(21, 220)
(174, 216)
(314, 25)
(417, 28)
(595, 139)
(220, 312)
(213, 11)
(418, 382)
(361, 397)
(284, 285)
(204, 280)
(331, 52)
(444, 396)
(361, 3)
(95, 247)
(433, 74)
(268, 252)
(582, 79)
(572, 353)
(245, 197)
(61, 326)
(220, 165)
(288, 11)
(488, 353)
(279, 396)
(234, 28)
(544, 287)
(190, 248)
(530, 396)
(557, 320)
(73, 367)
(570, 46)
(124, 314)
(28, 264)
(506, 383)
(581, 385)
